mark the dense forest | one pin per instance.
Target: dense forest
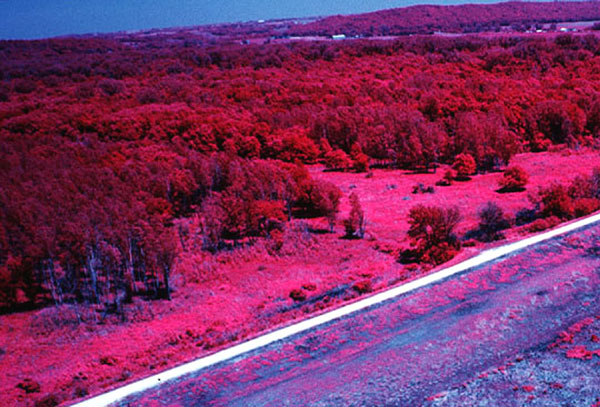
(114, 149)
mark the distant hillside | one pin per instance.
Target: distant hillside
(462, 18)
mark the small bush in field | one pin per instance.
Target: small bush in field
(80, 391)
(432, 232)
(525, 216)
(361, 163)
(29, 386)
(491, 222)
(543, 224)
(360, 160)
(409, 256)
(464, 165)
(50, 400)
(555, 201)
(440, 253)
(363, 287)
(448, 178)
(108, 360)
(297, 295)
(470, 243)
(277, 239)
(585, 206)
(420, 188)
(355, 224)
(337, 160)
(430, 225)
(309, 287)
(514, 179)
(325, 201)
(581, 187)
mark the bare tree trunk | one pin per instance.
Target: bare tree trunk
(181, 235)
(130, 270)
(55, 290)
(166, 273)
(93, 274)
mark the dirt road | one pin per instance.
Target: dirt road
(449, 344)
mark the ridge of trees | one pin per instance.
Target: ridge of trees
(464, 18)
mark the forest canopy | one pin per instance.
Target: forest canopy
(108, 142)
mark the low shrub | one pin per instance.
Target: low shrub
(309, 287)
(543, 224)
(363, 287)
(50, 400)
(449, 177)
(359, 159)
(420, 188)
(29, 386)
(432, 234)
(431, 225)
(325, 199)
(465, 166)
(440, 253)
(469, 243)
(585, 206)
(355, 223)
(580, 187)
(337, 160)
(556, 201)
(276, 236)
(491, 222)
(297, 295)
(525, 216)
(514, 179)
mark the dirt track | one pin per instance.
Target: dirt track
(440, 345)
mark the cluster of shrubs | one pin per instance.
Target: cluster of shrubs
(579, 198)
(338, 159)
(463, 167)
(431, 231)
(420, 188)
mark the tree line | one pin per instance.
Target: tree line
(107, 143)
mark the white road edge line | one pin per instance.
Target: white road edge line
(113, 396)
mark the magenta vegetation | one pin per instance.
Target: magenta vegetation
(240, 170)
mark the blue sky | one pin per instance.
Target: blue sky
(27, 19)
